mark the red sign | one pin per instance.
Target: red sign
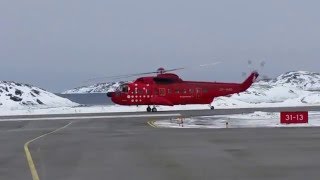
(294, 117)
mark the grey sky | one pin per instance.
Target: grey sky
(58, 44)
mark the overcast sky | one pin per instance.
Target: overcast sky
(58, 44)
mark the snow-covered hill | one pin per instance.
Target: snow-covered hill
(97, 88)
(299, 79)
(21, 96)
(289, 89)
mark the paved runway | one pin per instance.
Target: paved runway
(127, 148)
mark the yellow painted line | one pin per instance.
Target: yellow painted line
(32, 166)
(151, 123)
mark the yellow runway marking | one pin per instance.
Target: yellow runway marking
(151, 123)
(32, 166)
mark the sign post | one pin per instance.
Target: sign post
(294, 117)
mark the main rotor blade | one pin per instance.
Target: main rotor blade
(175, 69)
(201, 65)
(124, 76)
(129, 75)
(210, 64)
(119, 76)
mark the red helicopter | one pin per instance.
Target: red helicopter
(169, 89)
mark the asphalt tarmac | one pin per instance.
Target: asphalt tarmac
(128, 148)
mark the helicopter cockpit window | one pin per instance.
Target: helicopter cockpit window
(124, 88)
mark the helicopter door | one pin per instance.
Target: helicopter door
(198, 92)
(162, 91)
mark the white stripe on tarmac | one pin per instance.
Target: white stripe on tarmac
(89, 117)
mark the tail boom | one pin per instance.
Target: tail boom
(249, 81)
(225, 89)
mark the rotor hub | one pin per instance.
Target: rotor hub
(160, 70)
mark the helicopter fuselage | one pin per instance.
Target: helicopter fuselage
(169, 89)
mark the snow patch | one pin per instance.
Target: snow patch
(252, 120)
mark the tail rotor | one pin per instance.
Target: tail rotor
(260, 67)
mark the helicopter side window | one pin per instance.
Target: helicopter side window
(162, 91)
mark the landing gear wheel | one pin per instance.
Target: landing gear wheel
(154, 109)
(212, 107)
(148, 109)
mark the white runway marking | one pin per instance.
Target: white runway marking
(89, 117)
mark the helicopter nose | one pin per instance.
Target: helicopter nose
(110, 94)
